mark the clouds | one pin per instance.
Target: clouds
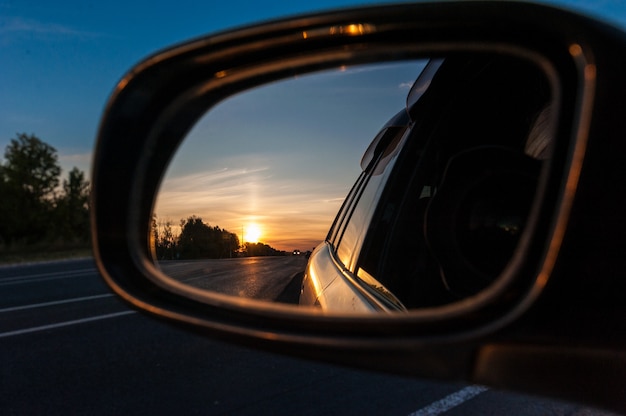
(16, 28)
(20, 25)
(284, 156)
(293, 211)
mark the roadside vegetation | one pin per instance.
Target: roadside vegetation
(46, 217)
(42, 216)
(199, 240)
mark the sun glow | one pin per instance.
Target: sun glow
(252, 233)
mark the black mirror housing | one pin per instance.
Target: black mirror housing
(560, 306)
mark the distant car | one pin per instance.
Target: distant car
(296, 252)
(444, 196)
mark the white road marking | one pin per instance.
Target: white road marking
(450, 401)
(58, 302)
(42, 277)
(63, 324)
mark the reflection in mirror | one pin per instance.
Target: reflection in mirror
(438, 195)
(256, 184)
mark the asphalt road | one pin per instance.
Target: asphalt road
(68, 346)
(261, 278)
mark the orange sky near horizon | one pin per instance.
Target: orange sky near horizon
(295, 220)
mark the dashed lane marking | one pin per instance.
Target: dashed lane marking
(56, 302)
(63, 324)
(450, 401)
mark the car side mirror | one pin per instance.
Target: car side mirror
(525, 310)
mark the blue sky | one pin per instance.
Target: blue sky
(60, 60)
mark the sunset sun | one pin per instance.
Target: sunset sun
(252, 233)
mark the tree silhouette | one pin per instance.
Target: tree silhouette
(73, 207)
(262, 249)
(165, 243)
(29, 177)
(33, 208)
(199, 240)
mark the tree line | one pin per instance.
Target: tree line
(199, 240)
(36, 207)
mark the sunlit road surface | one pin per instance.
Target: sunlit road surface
(69, 346)
(264, 278)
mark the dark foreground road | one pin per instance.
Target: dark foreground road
(68, 346)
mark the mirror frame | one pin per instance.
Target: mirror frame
(159, 100)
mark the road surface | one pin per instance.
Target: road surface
(69, 346)
(262, 278)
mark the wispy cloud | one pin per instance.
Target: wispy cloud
(13, 28)
(292, 212)
(217, 180)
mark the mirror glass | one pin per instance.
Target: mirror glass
(261, 181)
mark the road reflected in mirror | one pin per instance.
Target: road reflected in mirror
(256, 185)
(269, 278)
